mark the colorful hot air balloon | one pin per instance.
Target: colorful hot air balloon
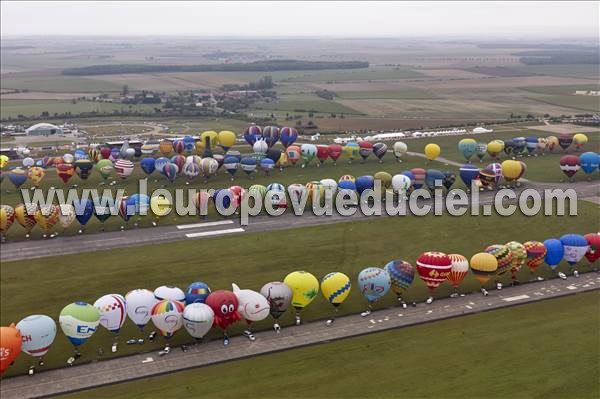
(65, 171)
(10, 346)
(83, 167)
(165, 147)
(593, 252)
(531, 143)
(433, 179)
(468, 148)
(380, 149)
(293, 153)
(17, 177)
(138, 304)
(575, 247)
(308, 152)
(432, 151)
(252, 133)
(335, 151)
(271, 135)
(519, 257)
(178, 160)
(351, 150)
(225, 305)
(198, 319)
(565, 140)
(288, 135)
(418, 177)
(37, 333)
(36, 175)
(25, 215)
(113, 312)
(197, 293)
(487, 177)
(79, 321)
(279, 296)
(555, 252)
(536, 252)
(105, 168)
(335, 287)
(579, 139)
(449, 179)
(503, 256)
(7, 217)
(480, 150)
(402, 275)
(66, 215)
(170, 171)
(569, 164)
(208, 167)
(484, 266)
(124, 168)
(322, 153)
(167, 316)
(373, 283)
(401, 184)
(433, 268)
(305, 288)
(468, 173)
(47, 216)
(365, 149)
(3, 161)
(551, 142)
(458, 272)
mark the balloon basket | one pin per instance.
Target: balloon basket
(429, 300)
(31, 370)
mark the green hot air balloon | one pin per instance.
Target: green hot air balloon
(78, 321)
(105, 168)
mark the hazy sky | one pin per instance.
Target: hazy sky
(301, 18)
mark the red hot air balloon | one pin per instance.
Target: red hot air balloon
(569, 164)
(593, 252)
(565, 140)
(365, 149)
(65, 171)
(419, 174)
(322, 153)
(433, 268)
(335, 151)
(224, 304)
(105, 152)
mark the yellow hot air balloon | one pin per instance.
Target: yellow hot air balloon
(484, 266)
(511, 170)
(386, 181)
(7, 217)
(335, 287)
(579, 140)
(3, 161)
(25, 215)
(212, 135)
(495, 147)
(282, 162)
(226, 139)
(305, 288)
(432, 151)
(160, 206)
(165, 147)
(36, 175)
(199, 147)
(47, 217)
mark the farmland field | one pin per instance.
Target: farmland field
(323, 106)
(13, 108)
(375, 359)
(581, 103)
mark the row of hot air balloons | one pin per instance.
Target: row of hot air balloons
(532, 145)
(198, 309)
(588, 162)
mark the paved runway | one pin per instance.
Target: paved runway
(63, 245)
(132, 367)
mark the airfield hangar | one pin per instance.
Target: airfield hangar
(43, 129)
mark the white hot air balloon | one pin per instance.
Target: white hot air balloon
(169, 292)
(139, 303)
(400, 149)
(37, 334)
(66, 215)
(198, 319)
(279, 296)
(400, 184)
(167, 316)
(252, 306)
(112, 310)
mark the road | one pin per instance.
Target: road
(64, 245)
(144, 365)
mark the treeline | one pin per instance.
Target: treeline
(257, 66)
(548, 57)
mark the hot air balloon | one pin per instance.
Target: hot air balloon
(373, 283)
(7, 217)
(555, 252)
(575, 247)
(170, 171)
(248, 165)
(520, 144)
(231, 164)
(593, 252)
(124, 168)
(84, 210)
(433, 179)
(25, 215)
(579, 139)
(308, 152)
(178, 146)
(401, 184)
(159, 206)
(589, 162)
(458, 272)
(279, 296)
(78, 321)
(432, 151)
(138, 304)
(225, 305)
(226, 139)
(418, 177)
(112, 309)
(335, 287)
(487, 177)
(364, 183)
(65, 171)
(47, 216)
(335, 151)
(503, 256)
(198, 318)
(519, 257)
(433, 268)
(305, 288)
(188, 144)
(467, 147)
(352, 151)
(17, 177)
(10, 346)
(469, 173)
(565, 140)
(197, 293)
(208, 167)
(36, 175)
(402, 275)
(178, 160)
(570, 164)
(260, 149)
(293, 154)
(495, 147)
(531, 143)
(148, 165)
(3, 161)
(266, 165)
(480, 150)
(322, 154)
(252, 306)
(449, 179)
(552, 142)
(380, 149)
(169, 292)
(511, 170)
(37, 334)
(536, 252)
(66, 215)
(252, 133)
(400, 149)
(167, 316)
(104, 153)
(83, 168)
(28, 162)
(165, 147)
(365, 149)
(288, 135)
(484, 266)
(270, 135)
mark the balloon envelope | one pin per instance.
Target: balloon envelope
(197, 293)
(198, 319)
(79, 321)
(139, 303)
(374, 283)
(38, 333)
(304, 286)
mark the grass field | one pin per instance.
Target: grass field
(322, 106)
(408, 93)
(457, 358)
(581, 103)
(13, 108)
(59, 84)
(565, 89)
(251, 260)
(580, 71)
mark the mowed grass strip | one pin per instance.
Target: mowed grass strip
(484, 355)
(46, 285)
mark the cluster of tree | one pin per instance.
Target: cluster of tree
(326, 94)
(257, 66)
(264, 83)
(550, 57)
(144, 97)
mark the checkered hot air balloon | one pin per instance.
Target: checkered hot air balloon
(503, 256)
(519, 257)
(7, 218)
(433, 268)
(113, 311)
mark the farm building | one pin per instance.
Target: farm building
(43, 129)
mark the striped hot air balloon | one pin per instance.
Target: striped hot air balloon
(459, 270)
(124, 168)
(402, 275)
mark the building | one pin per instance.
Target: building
(43, 129)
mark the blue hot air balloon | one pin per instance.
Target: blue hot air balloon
(589, 162)
(468, 148)
(575, 247)
(364, 183)
(288, 136)
(160, 163)
(84, 210)
(234, 153)
(197, 293)
(410, 175)
(555, 251)
(531, 144)
(401, 274)
(79, 154)
(271, 135)
(267, 165)
(189, 144)
(17, 177)
(139, 202)
(115, 153)
(432, 176)
(231, 163)
(374, 283)
(252, 133)
(347, 185)
(449, 179)
(147, 165)
(468, 172)
(222, 198)
(248, 165)
(520, 145)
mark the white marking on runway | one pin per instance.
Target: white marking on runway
(205, 224)
(148, 360)
(515, 298)
(214, 233)
(571, 287)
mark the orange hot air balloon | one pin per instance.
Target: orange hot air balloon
(165, 147)
(460, 268)
(10, 346)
